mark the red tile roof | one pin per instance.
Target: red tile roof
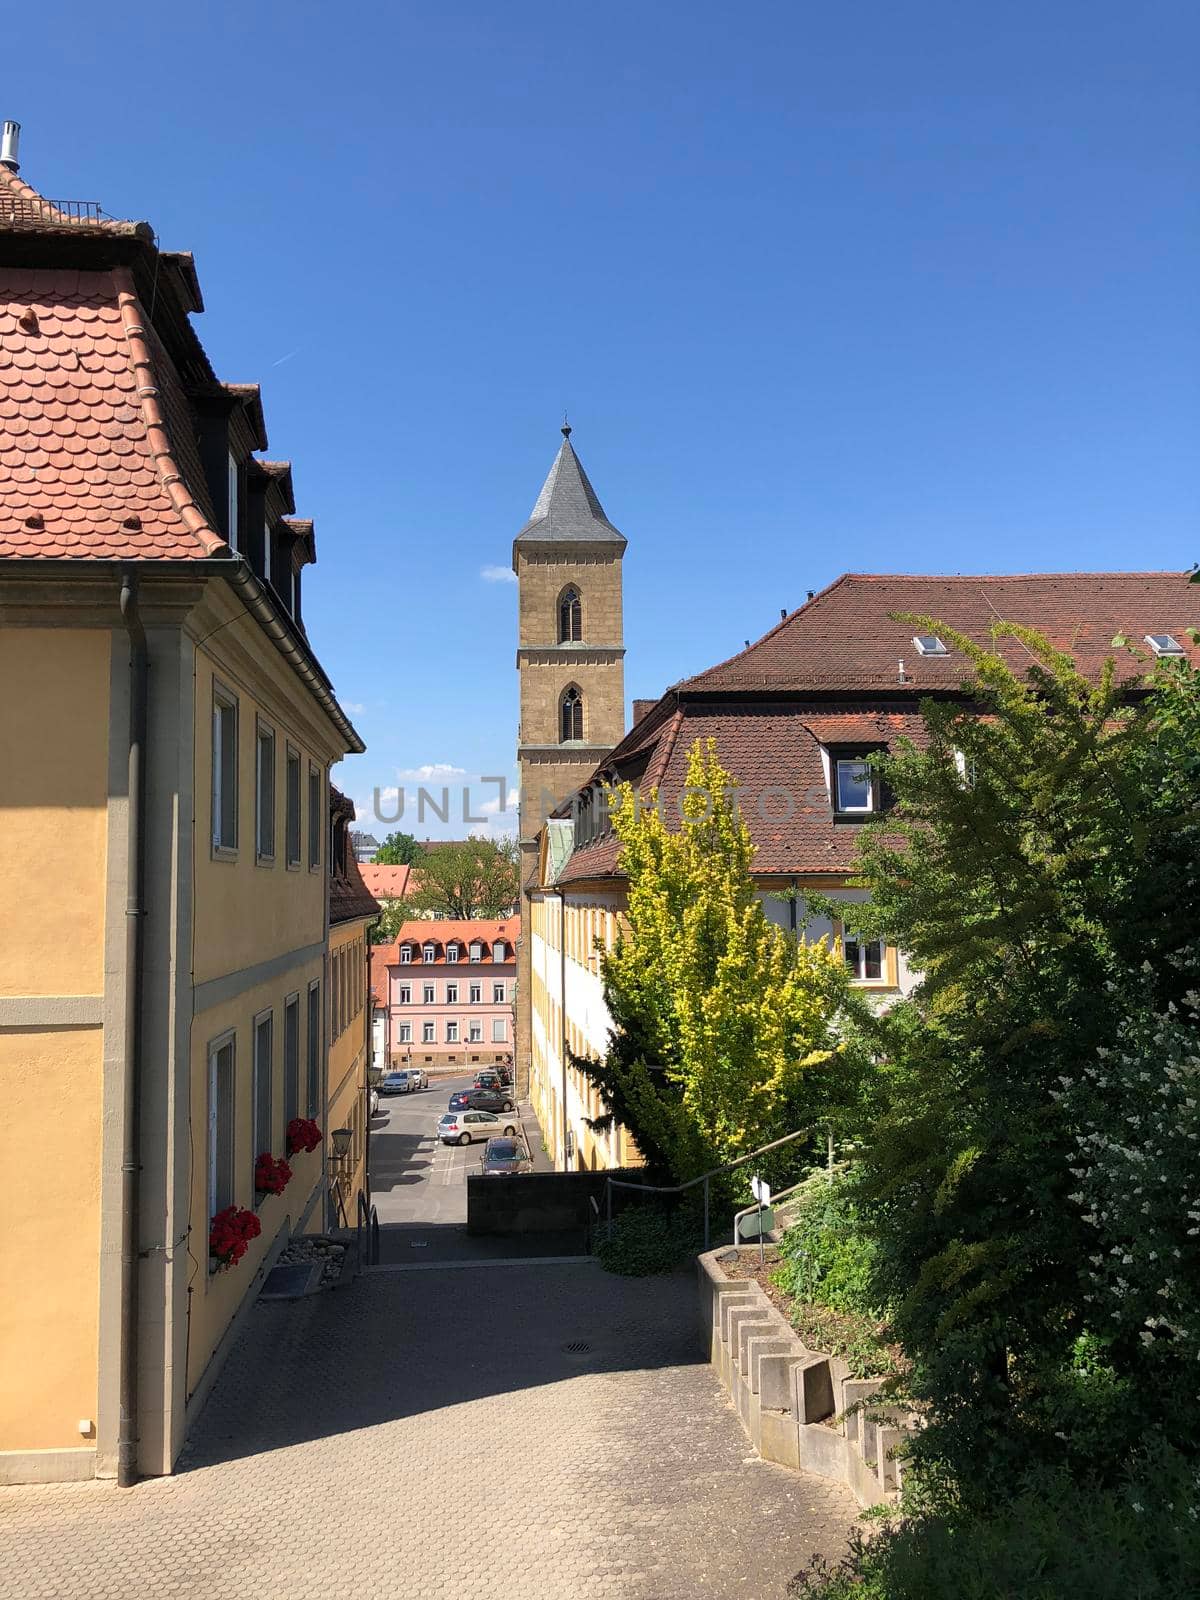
(387, 882)
(827, 675)
(443, 932)
(88, 464)
(383, 956)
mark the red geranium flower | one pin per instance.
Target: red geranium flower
(230, 1233)
(302, 1134)
(271, 1176)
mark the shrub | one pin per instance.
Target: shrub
(646, 1239)
(828, 1258)
(1058, 1538)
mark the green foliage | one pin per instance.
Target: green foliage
(827, 1257)
(465, 879)
(852, 1335)
(1041, 870)
(646, 1240)
(1058, 1537)
(398, 850)
(393, 914)
(723, 1026)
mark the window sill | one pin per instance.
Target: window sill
(855, 816)
(224, 852)
(262, 860)
(293, 866)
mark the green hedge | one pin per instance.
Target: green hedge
(1056, 1539)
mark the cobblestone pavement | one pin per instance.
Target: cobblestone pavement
(431, 1434)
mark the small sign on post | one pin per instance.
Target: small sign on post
(761, 1191)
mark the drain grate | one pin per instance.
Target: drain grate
(577, 1347)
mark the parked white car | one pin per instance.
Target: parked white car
(464, 1127)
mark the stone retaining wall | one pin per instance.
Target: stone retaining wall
(800, 1408)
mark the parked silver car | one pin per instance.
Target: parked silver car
(464, 1127)
(418, 1078)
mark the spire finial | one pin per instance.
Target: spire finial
(565, 430)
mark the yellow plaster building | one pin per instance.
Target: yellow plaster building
(166, 735)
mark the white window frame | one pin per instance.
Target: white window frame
(262, 1086)
(428, 995)
(476, 995)
(858, 967)
(224, 782)
(863, 763)
(475, 1031)
(429, 952)
(293, 827)
(499, 1031)
(452, 954)
(427, 1031)
(222, 1109)
(404, 994)
(451, 994)
(264, 792)
(499, 993)
(499, 951)
(405, 1034)
(405, 955)
(451, 1032)
(476, 951)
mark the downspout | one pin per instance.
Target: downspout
(135, 916)
(562, 1012)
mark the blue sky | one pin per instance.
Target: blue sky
(823, 288)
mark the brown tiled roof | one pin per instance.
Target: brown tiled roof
(88, 464)
(826, 675)
(349, 897)
(23, 209)
(845, 637)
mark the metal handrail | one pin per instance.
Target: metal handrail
(704, 1178)
(366, 1222)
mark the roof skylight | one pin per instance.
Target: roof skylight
(928, 644)
(1164, 644)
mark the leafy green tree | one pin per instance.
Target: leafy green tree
(1040, 868)
(465, 879)
(724, 1031)
(398, 850)
(393, 914)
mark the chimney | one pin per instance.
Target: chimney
(10, 138)
(783, 613)
(640, 708)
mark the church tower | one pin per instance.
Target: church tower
(570, 662)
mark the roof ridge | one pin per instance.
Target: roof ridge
(770, 633)
(992, 577)
(158, 437)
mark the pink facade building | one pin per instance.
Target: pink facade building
(444, 994)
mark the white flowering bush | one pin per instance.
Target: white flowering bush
(1135, 1126)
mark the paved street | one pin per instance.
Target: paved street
(419, 1185)
(433, 1434)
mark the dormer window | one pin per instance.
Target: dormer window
(855, 785)
(928, 644)
(428, 953)
(1164, 644)
(476, 951)
(405, 954)
(499, 951)
(452, 952)
(233, 526)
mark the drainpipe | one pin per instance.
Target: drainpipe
(562, 1012)
(135, 916)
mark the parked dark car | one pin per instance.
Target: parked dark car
(489, 1099)
(459, 1101)
(503, 1157)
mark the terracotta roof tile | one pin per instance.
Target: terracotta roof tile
(386, 882)
(85, 445)
(441, 932)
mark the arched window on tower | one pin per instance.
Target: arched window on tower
(571, 715)
(570, 617)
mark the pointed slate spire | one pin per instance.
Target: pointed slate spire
(568, 511)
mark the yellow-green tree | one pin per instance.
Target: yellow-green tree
(724, 1031)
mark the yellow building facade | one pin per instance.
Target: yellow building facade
(167, 735)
